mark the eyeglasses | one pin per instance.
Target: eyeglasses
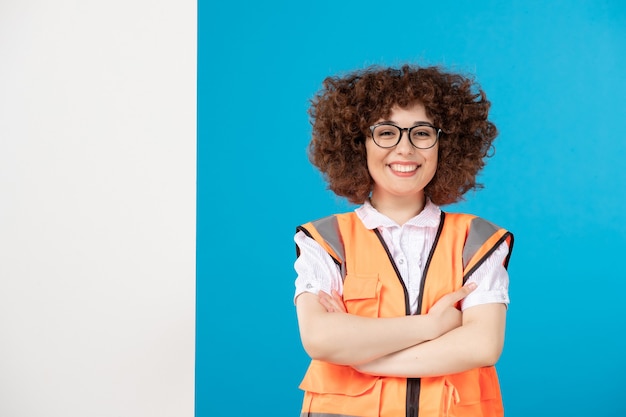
(421, 136)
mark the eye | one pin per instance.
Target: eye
(423, 132)
(386, 132)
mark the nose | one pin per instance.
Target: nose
(404, 147)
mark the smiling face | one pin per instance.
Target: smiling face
(401, 173)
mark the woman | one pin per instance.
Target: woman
(401, 306)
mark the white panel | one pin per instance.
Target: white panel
(97, 208)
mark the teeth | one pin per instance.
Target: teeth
(403, 168)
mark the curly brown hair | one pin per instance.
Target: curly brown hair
(342, 111)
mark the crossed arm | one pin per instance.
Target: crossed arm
(444, 341)
(477, 342)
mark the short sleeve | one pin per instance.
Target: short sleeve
(315, 268)
(492, 279)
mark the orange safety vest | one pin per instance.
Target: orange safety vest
(372, 287)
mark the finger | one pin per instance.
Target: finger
(338, 299)
(328, 306)
(325, 300)
(461, 293)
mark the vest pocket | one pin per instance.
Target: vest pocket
(361, 294)
(472, 393)
(337, 389)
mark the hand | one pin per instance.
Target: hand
(444, 314)
(332, 303)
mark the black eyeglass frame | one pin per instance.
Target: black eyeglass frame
(408, 132)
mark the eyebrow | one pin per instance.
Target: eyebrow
(418, 123)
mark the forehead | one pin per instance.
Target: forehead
(415, 112)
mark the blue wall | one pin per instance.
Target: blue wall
(555, 75)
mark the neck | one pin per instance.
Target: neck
(399, 209)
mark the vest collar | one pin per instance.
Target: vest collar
(372, 218)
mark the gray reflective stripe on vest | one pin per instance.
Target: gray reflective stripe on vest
(480, 231)
(325, 415)
(328, 227)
